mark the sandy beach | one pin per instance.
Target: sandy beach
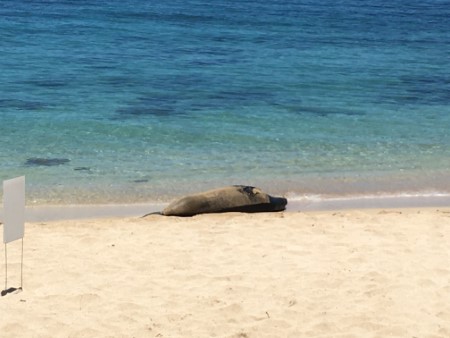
(345, 273)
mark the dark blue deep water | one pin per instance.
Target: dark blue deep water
(132, 100)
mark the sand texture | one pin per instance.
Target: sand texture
(361, 273)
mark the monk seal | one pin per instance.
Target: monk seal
(237, 198)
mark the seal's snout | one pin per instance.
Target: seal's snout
(279, 203)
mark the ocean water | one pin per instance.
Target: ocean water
(135, 101)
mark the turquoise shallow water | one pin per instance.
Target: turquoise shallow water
(148, 100)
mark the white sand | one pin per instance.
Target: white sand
(362, 273)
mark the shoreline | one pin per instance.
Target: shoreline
(305, 186)
(49, 212)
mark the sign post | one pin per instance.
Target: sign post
(14, 221)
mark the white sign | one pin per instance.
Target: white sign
(13, 209)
